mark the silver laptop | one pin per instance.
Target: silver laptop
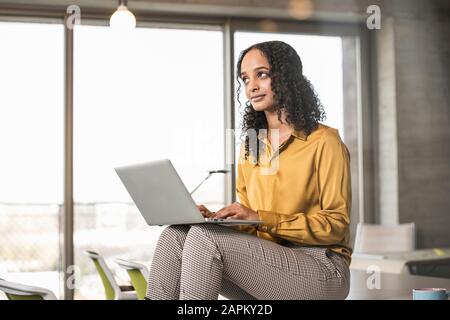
(161, 196)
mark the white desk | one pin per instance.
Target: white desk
(398, 263)
(391, 286)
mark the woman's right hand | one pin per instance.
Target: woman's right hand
(204, 211)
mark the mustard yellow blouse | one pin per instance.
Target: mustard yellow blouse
(302, 192)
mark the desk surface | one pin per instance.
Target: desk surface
(397, 262)
(416, 255)
(391, 286)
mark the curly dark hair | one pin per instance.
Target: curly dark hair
(293, 93)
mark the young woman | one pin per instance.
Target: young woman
(295, 179)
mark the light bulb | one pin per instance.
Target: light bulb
(122, 19)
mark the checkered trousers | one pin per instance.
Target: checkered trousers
(205, 260)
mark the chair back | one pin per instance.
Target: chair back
(138, 275)
(374, 239)
(112, 289)
(18, 291)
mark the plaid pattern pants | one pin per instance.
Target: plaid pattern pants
(202, 261)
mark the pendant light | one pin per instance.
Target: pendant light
(122, 19)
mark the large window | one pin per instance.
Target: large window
(31, 160)
(152, 94)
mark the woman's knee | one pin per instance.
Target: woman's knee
(208, 236)
(202, 240)
(174, 233)
(204, 230)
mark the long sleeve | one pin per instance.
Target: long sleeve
(328, 224)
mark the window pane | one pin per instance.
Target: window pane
(31, 170)
(156, 93)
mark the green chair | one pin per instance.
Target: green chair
(18, 291)
(112, 290)
(138, 275)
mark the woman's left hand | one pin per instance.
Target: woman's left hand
(237, 211)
